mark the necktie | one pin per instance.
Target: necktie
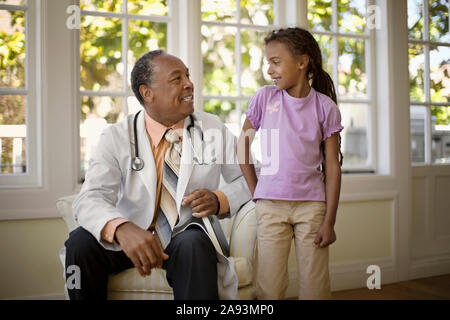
(168, 206)
(170, 177)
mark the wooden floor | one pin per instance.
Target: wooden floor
(435, 288)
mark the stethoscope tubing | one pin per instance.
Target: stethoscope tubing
(137, 163)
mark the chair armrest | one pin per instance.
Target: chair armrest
(243, 233)
(64, 206)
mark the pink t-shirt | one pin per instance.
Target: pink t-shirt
(292, 130)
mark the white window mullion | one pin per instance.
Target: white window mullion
(372, 122)
(125, 57)
(426, 83)
(428, 135)
(237, 51)
(172, 26)
(335, 46)
(120, 15)
(279, 17)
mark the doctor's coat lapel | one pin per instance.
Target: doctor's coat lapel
(186, 164)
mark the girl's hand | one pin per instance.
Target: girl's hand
(325, 236)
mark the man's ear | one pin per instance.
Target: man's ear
(146, 93)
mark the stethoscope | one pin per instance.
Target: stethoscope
(137, 163)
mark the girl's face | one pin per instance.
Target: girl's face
(286, 71)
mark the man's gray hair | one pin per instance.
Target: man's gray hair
(143, 72)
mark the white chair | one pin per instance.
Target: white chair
(240, 230)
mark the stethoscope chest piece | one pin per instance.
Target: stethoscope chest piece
(137, 164)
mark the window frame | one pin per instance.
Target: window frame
(427, 103)
(33, 98)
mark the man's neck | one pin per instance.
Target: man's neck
(165, 122)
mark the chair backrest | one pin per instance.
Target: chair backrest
(64, 206)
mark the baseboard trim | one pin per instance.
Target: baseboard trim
(430, 267)
(350, 275)
(51, 296)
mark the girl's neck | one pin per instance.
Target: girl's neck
(301, 90)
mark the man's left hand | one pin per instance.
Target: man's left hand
(202, 201)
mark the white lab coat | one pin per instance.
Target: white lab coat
(112, 189)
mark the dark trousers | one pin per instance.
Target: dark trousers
(191, 268)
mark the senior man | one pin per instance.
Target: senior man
(146, 180)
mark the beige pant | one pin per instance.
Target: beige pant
(278, 222)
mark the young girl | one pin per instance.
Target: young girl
(295, 200)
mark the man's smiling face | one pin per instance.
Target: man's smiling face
(172, 97)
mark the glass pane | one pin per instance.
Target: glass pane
(418, 127)
(440, 74)
(320, 15)
(148, 7)
(144, 36)
(257, 12)
(96, 113)
(12, 49)
(440, 144)
(101, 54)
(416, 72)
(352, 68)
(438, 10)
(13, 133)
(354, 145)
(219, 60)
(326, 43)
(352, 16)
(219, 10)
(415, 19)
(101, 5)
(226, 110)
(253, 76)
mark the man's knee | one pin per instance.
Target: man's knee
(195, 239)
(80, 242)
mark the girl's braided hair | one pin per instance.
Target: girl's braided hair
(300, 41)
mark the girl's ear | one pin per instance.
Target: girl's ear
(303, 61)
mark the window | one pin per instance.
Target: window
(234, 66)
(18, 98)
(346, 41)
(429, 70)
(113, 35)
(232, 48)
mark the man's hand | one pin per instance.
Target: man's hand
(325, 236)
(203, 202)
(141, 246)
